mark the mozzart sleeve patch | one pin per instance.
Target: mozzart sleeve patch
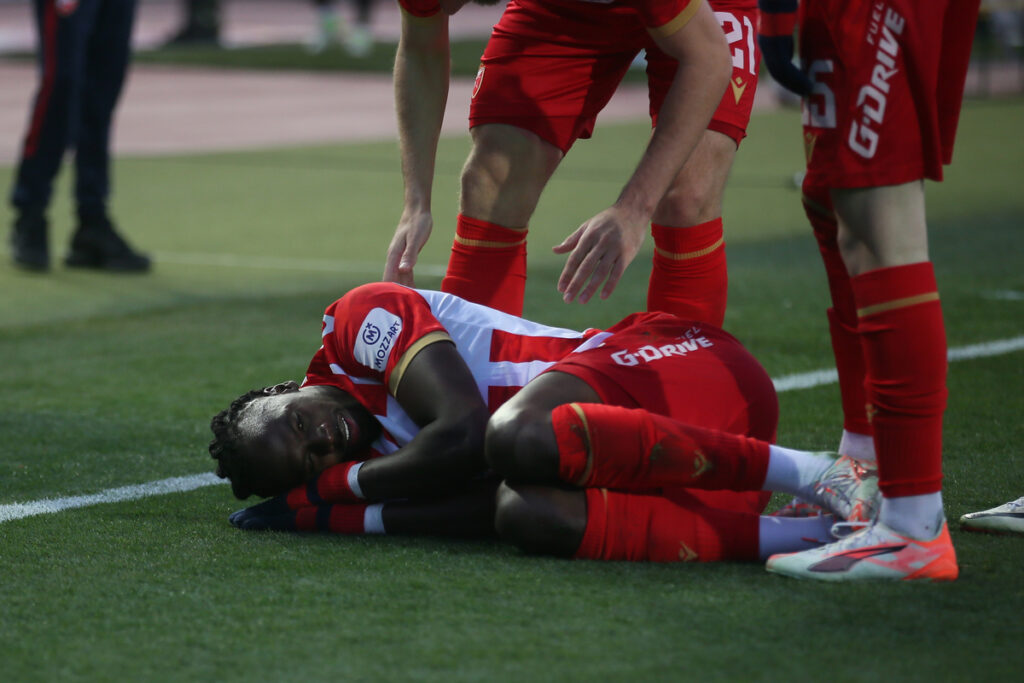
(367, 331)
(375, 339)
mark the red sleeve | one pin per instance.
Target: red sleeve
(421, 8)
(367, 331)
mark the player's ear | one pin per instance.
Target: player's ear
(282, 388)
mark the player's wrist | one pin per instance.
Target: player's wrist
(337, 484)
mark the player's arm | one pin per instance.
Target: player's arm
(421, 80)
(775, 36)
(600, 249)
(438, 392)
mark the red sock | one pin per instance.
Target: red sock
(624, 448)
(337, 519)
(689, 278)
(629, 526)
(904, 343)
(842, 317)
(487, 265)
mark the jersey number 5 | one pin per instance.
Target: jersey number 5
(819, 108)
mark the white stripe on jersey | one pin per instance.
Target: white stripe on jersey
(471, 327)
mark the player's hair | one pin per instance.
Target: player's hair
(225, 446)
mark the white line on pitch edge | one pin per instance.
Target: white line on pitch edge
(803, 380)
(154, 488)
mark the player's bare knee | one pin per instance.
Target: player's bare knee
(540, 519)
(519, 444)
(689, 203)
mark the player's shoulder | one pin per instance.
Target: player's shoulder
(377, 293)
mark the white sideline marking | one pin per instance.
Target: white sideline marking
(154, 488)
(804, 380)
(816, 378)
(283, 263)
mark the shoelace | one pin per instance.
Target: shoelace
(838, 482)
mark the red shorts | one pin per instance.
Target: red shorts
(888, 82)
(551, 68)
(694, 373)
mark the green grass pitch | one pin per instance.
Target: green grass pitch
(111, 381)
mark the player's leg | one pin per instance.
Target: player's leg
(689, 276)
(883, 238)
(542, 520)
(603, 524)
(856, 440)
(540, 437)
(502, 180)
(544, 76)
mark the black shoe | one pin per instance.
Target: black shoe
(96, 244)
(29, 242)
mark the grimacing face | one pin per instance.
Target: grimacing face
(289, 438)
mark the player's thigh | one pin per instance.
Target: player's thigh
(881, 227)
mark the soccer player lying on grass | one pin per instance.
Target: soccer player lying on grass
(389, 429)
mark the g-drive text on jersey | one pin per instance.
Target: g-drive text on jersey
(651, 353)
(872, 98)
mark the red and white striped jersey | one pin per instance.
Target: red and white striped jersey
(372, 333)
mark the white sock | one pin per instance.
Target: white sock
(373, 519)
(857, 446)
(919, 517)
(792, 534)
(793, 471)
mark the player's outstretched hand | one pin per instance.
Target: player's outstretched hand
(412, 233)
(775, 36)
(599, 251)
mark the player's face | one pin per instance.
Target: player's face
(290, 438)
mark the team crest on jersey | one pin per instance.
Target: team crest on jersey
(479, 80)
(376, 338)
(66, 7)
